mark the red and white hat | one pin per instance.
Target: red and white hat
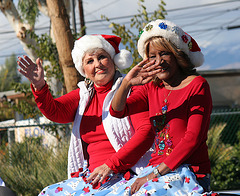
(173, 34)
(110, 43)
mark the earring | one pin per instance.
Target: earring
(87, 82)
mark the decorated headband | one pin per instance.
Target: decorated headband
(173, 34)
(110, 43)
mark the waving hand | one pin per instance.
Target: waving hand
(33, 72)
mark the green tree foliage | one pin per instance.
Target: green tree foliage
(226, 173)
(29, 11)
(225, 161)
(29, 166)
(224, 157)
(217, 150)
(27, 106)
(47, 50)
(130, 36)
(6, 113)
(9, 74)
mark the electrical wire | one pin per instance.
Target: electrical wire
(105, 6)
(202, 11)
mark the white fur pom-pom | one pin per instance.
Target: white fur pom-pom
(123, 59)
(196, 58)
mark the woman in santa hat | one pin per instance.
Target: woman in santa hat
(103, 149)
(179, 104)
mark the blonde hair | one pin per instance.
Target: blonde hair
(182, 59)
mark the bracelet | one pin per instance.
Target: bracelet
(147, 178)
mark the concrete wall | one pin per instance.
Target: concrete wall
(225, 86)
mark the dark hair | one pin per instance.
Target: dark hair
(182, 59)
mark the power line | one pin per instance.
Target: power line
(211, 15)
(170, 10)
(233, 27)
(107, 5)
(203, 5)
(215, 28)
(205, 13)
(8, 32)
(130, 16)
(198, 30)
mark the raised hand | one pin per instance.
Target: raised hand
(33, 72)
(142, 73)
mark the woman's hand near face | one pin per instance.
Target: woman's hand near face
(141, 74)
(136, 75)
(33, 72)
(99, 174)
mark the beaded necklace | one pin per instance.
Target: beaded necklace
(164, 108)
(163, 140)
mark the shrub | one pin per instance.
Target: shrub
(28, 167)
(225, 160)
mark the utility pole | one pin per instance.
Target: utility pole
(82, 22)
(73, 16)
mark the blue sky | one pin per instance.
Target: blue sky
(205, 20)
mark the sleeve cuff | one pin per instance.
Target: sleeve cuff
(43, 89)
(117, 114)
(111, 166)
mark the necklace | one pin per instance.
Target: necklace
(163, 141)
(159, 122)
(165, 108)
(165, 100)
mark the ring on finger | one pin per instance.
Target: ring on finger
(99, 175)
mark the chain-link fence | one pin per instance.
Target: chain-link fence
(34, 157)
(27, 166)
(230, 118)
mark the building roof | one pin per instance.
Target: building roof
(222, 72)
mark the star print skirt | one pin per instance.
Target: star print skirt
(177, 183)
(78, 186)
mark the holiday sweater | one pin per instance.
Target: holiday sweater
(180, 119)
(99, 149)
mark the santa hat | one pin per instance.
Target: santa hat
(110, 43)
(173, 34)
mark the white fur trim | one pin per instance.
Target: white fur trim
(123, 59)
(196, 58)
(172, 33)
(116, 130)
(82, 45)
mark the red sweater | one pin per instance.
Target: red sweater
(182, 137)
(100, 150)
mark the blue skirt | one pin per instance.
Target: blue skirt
(78, 186)
(180, 182)
(176, 183)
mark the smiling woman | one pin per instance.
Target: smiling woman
(102, 148)
(179, 104)
(98, 67)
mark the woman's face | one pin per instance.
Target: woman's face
(98, 67)
(166, 61)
